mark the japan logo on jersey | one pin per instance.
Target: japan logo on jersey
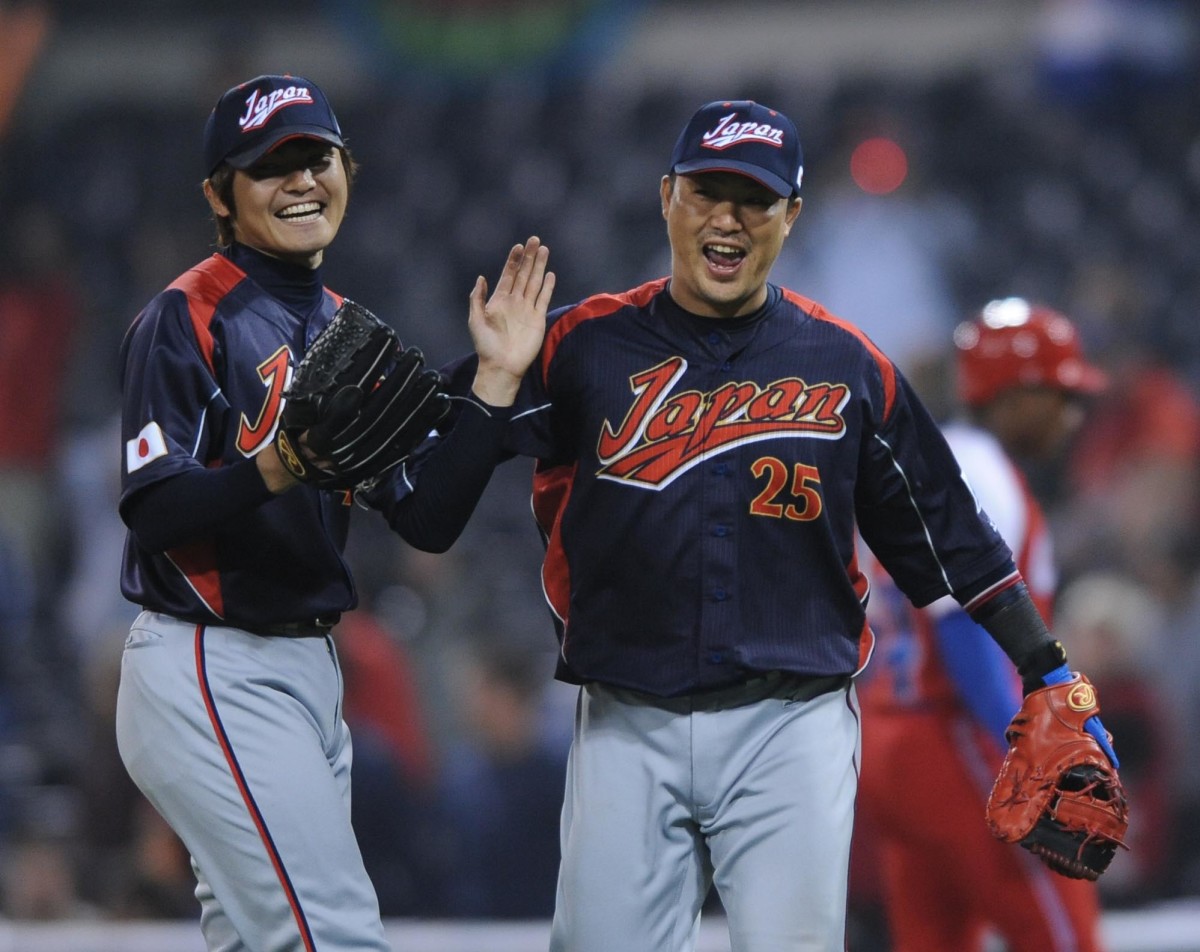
(666, 433)
(144, 448)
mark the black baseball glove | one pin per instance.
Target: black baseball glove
(358, 404)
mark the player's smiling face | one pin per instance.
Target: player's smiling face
(291, 202)
(726, 230)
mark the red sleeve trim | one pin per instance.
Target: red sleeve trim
(992, 591)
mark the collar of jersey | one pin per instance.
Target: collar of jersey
(299, 288)
(729, 325)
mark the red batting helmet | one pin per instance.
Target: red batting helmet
(1013, 343)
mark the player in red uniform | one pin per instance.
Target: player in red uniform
(940, 695)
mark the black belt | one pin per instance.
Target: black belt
(781, 684)
(316, 627)
(311, 628)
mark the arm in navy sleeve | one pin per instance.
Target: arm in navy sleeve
(982, 674)
(918, 515)
(184, 507)
(452, 477)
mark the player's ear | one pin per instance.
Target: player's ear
(218, 206)
(664, 190)
(793, 212)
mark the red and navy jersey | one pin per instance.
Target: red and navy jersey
(700, 481)
(204, 368)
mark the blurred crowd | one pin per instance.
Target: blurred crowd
(1075, 182)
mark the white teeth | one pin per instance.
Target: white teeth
(725, 249)
(304, 211)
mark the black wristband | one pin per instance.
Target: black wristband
(1012, 619)
(1038, 663)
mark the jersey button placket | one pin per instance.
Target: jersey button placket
(718, 611)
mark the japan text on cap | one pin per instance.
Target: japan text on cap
(745, 137)
(252, 118)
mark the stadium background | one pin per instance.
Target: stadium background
(955, 152)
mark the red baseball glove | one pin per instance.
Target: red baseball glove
(1058, 793)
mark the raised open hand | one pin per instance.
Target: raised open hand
(507, 328)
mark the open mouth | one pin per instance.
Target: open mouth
(723, 258)
(300, 214)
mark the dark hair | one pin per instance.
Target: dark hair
(222, 185)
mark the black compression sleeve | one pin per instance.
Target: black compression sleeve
(453, 479)
(1012, 619)
(185, 507)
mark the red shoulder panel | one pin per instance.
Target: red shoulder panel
(598, 305)
(887, 370)
(205, 285)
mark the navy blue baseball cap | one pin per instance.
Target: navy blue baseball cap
(252, 118)
(745, 137)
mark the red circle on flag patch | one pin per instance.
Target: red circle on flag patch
(143, 447)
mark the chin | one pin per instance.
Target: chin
(723, 297)
(314, 238)
(308, 249)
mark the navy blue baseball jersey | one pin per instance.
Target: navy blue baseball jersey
(700, 482)
(205, 366)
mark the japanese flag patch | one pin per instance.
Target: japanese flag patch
(144, 448)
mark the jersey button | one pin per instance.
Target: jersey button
(720, 531)
(720, 594)
(728, 365)
(720, 469)
(714, 338)
(715, 657)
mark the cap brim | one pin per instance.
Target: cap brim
(246, 158)
(780, 187)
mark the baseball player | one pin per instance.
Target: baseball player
(229, 714)
(937, 702)
(706, 445)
